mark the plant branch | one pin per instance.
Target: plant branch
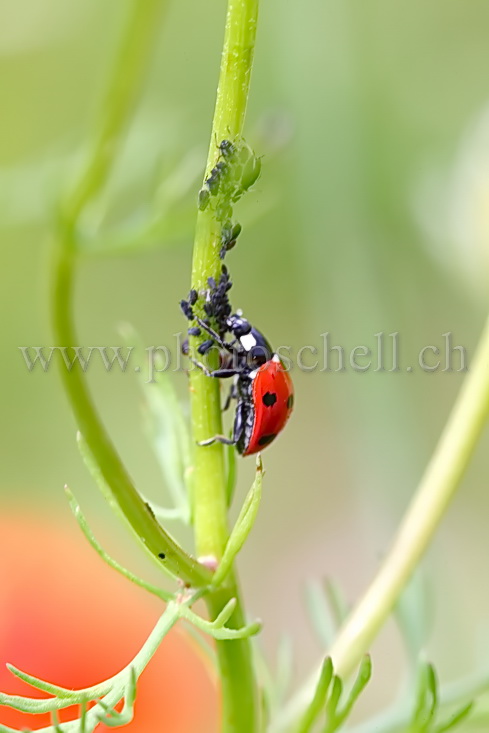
(125, 82)
(437, 486)
(108, 693)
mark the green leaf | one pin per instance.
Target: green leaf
(168, 432)
(426, 699)
(174, 551)
(96, 474)
(114, 718)
(83, 524)
(83, 717)
(274, 683)
(42, 685)
(337, 601)
(216, 628)
(204, 644)
(318, 701)
(413, 615)
(332, 704)
(31, 705)
(225, 614)
(167, 429)
(120, 685)
(225, 634)
(320, 613)
(457, 696)
(362, 680)
(284, 671)
(55, 725)
(456, 718)
(166, 221)
(432, 685)
(242, 528)
(165, 514)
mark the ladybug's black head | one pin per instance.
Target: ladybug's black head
(238, 326)
(255, 349)
(258, 348)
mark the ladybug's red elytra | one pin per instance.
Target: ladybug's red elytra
(262, 387)
(272, 400)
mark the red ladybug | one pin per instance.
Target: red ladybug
(263, 388)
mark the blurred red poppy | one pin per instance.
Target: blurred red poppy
(68, 618)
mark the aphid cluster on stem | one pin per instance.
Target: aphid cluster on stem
(216, 305)
(236, 170)
(229, 235)
(261, 385)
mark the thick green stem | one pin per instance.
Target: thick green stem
(125, 83)
(239, 697)
(438, 484)
(232, 95)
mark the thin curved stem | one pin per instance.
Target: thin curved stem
(126, 80)
(438, 484)
(437, 487)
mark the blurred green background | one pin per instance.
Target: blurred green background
(371, 215)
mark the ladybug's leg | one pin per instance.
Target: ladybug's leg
(224, 373)
(217, 373)
(214, 335)
(238, 428)
(231, 396)
(217, 439)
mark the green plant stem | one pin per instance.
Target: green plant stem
(210, 502)
(239, 697)
(438, 484)
(125, 82)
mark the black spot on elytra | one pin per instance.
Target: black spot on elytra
(290, 401)
(266, 439)
(161, 555)
(269, 399)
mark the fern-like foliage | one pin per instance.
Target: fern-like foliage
(98, 703)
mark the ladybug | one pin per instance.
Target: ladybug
(262, 387)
